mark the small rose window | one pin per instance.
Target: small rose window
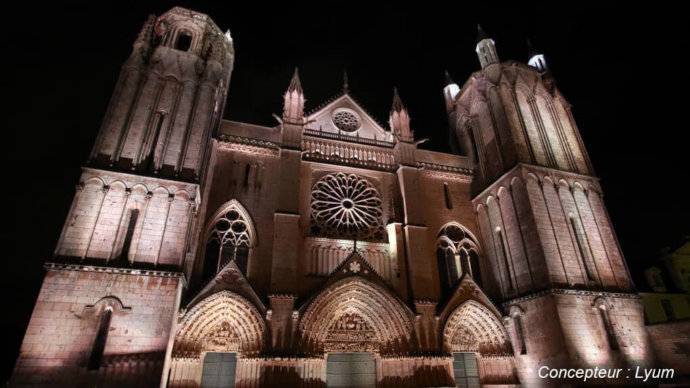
(346, 120)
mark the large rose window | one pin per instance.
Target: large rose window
(346, 205)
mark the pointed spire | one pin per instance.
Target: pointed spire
(346, 86)
(400, 120)
(295, 84)
(531, 51)
(293, 107)
(228, 36)
(449, 80)
(486, 48)
(397, 102)
(481, 35)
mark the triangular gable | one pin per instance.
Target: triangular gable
(467, 289)
(324, 119)
(229, 278)
(354, 266)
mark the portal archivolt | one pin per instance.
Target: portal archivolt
(223, 322)
(354, 315)
(472, 327)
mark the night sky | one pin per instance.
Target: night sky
(621, 68)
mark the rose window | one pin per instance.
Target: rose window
(346, 120)
(346, 205)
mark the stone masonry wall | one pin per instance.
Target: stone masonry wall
(60, 337)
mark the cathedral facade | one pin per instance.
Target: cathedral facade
(329, 249)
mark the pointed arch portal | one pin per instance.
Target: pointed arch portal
(472, 327)
(223, 322)
(355, 315)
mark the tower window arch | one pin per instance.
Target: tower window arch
(582, 246)
(446, 193)
(183, 42)
(457, 254)
(230, 238)
(601, 306)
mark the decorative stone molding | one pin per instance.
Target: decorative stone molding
(222, 322)
(564, 291)
(113, 270)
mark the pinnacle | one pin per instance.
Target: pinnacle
(481, 35)
(295, 84)
(397, 102)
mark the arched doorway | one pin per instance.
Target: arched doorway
(211, 337)
(471, 333)
(353, 322)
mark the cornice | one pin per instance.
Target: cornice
(565, 291)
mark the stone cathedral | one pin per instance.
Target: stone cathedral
(329, 249)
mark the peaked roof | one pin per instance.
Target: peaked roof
(321, 118)
(354, 266)
(229, 278)
(467, 289)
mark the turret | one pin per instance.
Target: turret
(486, 48)
(169, 98)
(535, 58)
(450, 91)
(293, 107)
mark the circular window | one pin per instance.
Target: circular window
(346, 120)
(346, 205)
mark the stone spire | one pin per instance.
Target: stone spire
(486, 48)
(400, 120)
(293, 107)
(481, 34)
(346, 85)
(295, 84)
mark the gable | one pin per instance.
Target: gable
(345, 116)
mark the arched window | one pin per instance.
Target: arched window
(516, 314)
(98, 347)
(457, 254)
(582, 246)
(601, 306)
(184, 41)
(230, 238)
(500, 237)
(446, 192)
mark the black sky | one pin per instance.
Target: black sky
(621, 68)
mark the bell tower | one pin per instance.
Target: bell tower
(168, 99)
(550, 250)
(112, 291)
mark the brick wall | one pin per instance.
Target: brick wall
(62, 329)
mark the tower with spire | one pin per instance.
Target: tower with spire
(486, 48)
(535, 58)
(550, 247)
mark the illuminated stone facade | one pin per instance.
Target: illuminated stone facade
(190, 236)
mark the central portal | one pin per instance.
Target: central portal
(351, 370)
